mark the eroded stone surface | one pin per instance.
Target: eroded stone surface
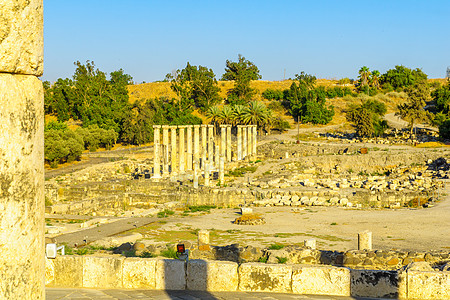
(319, 280)
(265, 277)
(68, 271)
(139, 273)
(102, 272)
(21, 186)
(375, 283)
(170, 274)
(21, 37)
(205, 275)
(428, 285)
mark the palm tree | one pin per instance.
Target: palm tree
(375, 79)
(364, 74)
(227, 115)
(238, 113)
(256, 113)
(214, 114)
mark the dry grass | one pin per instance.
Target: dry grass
(431, 145)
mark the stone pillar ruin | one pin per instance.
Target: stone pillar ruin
(204, 138)
(173, 154)
(221, 171)
(217, 154)
(189, 147)
(165, 143)
(207, 174)
(249, 140)
(365, 240)
(181, 154)
(156, 157)
(228, 143)
(21, 150)
(244, 142)
(222, 140)
(239, 142)
(196, 143)
(255, 139)
(210, 144)
(195, 179)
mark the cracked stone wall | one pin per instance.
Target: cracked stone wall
(21, 150)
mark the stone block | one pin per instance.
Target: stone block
(321, 280)
(102, 272)
(21, 182)
(68, 271)
(139, 273)
(170, 274)
(375, 283)
(22, 37)
(205, 275)
(428, 285)
(49, 271)
(257, 277)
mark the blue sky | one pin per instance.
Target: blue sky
(329, 39)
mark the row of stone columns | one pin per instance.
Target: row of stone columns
(197, 145)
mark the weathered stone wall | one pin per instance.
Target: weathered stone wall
(169, 274)
(21, 150)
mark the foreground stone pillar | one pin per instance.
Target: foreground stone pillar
(255, 139)
(196, 143)
(22, 252)
(365, 240)
(165, 143)
(204, 138)
(217, 155)
(228, 143)
(156, 146)
(244, 142)
(207, 174)
(249, 140)
(210, 144)
(203, 239)
(221, 171)
(181, 153)
(189, 147)
(223, 140)
(195, 179)
(173, 153)
(239, 142)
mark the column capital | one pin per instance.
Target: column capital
(182, 126)
(196, 126)
(156, 126)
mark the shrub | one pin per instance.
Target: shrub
(276, 247)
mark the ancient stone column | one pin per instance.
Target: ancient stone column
(207, 173)
(203, 239)
(365, 240)
(156, 146)
(239, 142)
(210, 144)
(255, 139)
(165, 150)
(217, 155)
(181, 153)
(21, 150)
(221, 171)
(203, 150)
(189, 147)
(249, 140)
(223, 136)
(196, 143)
(195, 179)
(173, 153)
(228, 142)
(311, 243)
(244, 141)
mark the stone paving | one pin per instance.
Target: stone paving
(94, 294)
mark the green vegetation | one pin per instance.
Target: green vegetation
(199, 208)
(367, 118)
(239, 172)
(276, 246)
(282, 260)
(165, 213)
(242, 72)
(401, 77)
(169, 253)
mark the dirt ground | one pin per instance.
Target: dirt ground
(334, 228)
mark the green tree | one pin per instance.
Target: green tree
(195, 85)
(402, 77)
(413, 110)
(364, 75)
(367, 118)
(242, 72)
(441, 96)
(375, 79)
